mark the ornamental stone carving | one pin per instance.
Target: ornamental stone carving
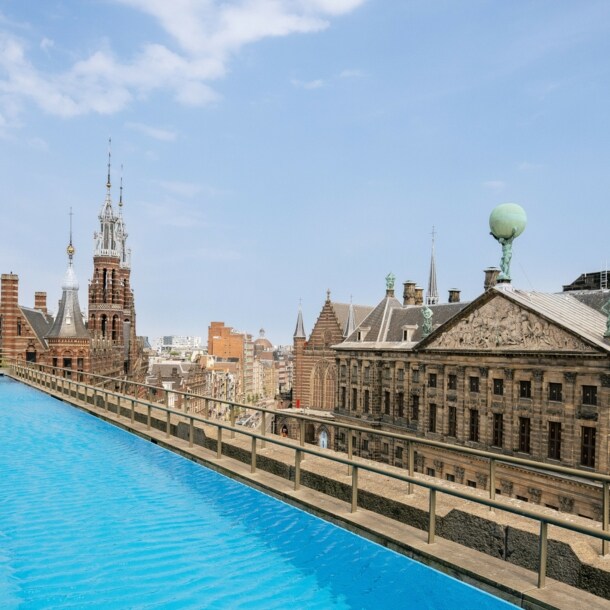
(509, 373)
(438, 465)
(502, 324)
(459, 474)
(605, 380)
(506, 487)
(570, 377)
(535, 495)
(482, 480)
(566, 505)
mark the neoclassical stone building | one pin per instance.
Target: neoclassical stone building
(514, 372)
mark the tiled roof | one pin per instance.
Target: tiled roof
(41, 323)
(592, 298)
(342, 312)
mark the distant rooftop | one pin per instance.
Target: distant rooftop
(598, 280)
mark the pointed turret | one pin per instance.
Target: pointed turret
(299, 332)
(432, 296)
(350, 323)
(69, 320)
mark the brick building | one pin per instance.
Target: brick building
(108, 344)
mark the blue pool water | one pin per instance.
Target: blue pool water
(93, 517)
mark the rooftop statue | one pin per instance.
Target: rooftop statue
(427, 313)
(390, 278)
(507, 221)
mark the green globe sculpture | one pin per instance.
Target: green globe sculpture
(507, 221)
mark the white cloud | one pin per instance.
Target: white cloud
(165, 135)
(495, 185)
(46, 44)
(208, 33)
(351, 74)
(313, 84)
(183, 189)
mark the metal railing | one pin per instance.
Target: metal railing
(74, 389)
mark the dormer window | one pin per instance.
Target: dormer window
(361, 335)
(407, 332)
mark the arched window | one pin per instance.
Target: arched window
(115, 327)
(104, 285)
(104, 320)
(92, 323)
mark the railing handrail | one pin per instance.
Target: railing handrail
(596, 477)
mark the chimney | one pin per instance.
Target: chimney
(454, 295)
(419, 295)
(408, 294)
(491, 277)
(40, 301)
(9, 291)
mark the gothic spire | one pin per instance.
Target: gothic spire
(432, 296)
(350, 324)
(299, 332)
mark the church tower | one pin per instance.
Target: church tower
(111, 306)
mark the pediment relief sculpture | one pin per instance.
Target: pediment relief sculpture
(500, 324)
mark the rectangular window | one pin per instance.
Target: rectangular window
(473, 430)
(432, 380)
(400, 374)
(343, 398)
(498, 430)
(19, 328)
(365, 445)
(452, 382)
(400, 404)
(554, 440)
(343, 371)
(498, 387)
(430, 472)
(386, 402)
(474, 384)
(354, 371)
(524, 434)
(415, 375)
(525, 389)
(415, 409)
(385, 448)
(589, 395)
(354, 399)
(450, 477)
(432, 419)
(367, 398)
(367, 373)
(587, 448)
(452, 427)
(472, 484)
(555, 390)
(399, 453)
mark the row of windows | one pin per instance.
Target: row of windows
(555, 390)
(587, 438)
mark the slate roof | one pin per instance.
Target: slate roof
(342, 312)
(595, 299)
(69, 320)
(41, 323)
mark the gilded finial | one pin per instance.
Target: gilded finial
(70, 249)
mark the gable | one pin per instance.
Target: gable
(327, 330)
(501, 324)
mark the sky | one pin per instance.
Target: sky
(274, 149)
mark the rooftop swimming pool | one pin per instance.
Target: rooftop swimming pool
(94, 517)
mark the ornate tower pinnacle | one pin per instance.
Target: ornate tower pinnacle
(299, 331)
(432, 296)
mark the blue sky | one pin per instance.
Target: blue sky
(276, 148)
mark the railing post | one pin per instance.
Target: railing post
(432, 516)
(186, 403)
(263, 427)
(302, 432)
(206, 408)
(167, 399)
(606, 515)
(191, 431)
(542, 554)
(219, 443)
(105, 400)
(492, 481)
(148, 417)
(253, 455)
(411, 452)
(232, 416)
(297, 469)
(118, 406)
(350, 450)
(167, 425)
(132, 410)
(354, 506)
